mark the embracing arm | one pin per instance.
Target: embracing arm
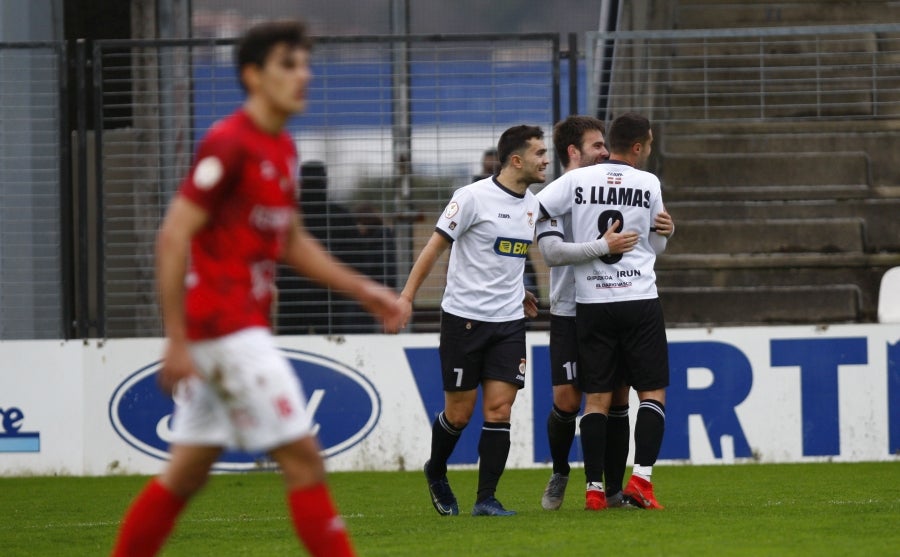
(558, 252)
(664, 228)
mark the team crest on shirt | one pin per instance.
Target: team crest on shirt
(208, 173)
(531, 219)
(452, 209)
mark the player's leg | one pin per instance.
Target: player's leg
(597, 342)
(503, 376)
(460, 373)
(200, 428)
(493, 445)
(566, 405)
(152, 515)
(618, 437)
(314, 515)
(448, 426)
(445, 432)
(593, 445)
(648, 436)
(648, 362)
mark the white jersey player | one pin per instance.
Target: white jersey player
(490, 224)
(618, 314)
(578, 142)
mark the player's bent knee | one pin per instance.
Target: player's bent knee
(567, 399)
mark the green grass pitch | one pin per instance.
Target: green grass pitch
(754, 509)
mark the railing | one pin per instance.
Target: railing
(758, 74)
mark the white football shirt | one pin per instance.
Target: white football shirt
(491, 229)
(562, 277)
(594, 197)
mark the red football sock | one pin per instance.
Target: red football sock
(317, 523)
(148, 522)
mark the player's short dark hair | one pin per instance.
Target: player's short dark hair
(257, 42)
(626, 130)
(514, 139)
(571, 132)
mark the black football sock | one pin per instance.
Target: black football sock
(560, 434)
(618, 434)
(443, 440)
(648, 432)
(493, 450)
(593, 445)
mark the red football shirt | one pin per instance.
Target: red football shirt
(245, 179)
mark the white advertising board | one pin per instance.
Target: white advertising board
(767, 394)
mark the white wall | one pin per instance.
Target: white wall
(780, 394)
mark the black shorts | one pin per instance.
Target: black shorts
(622, 338)
(472, 351)
(563, 351)
(564, 354)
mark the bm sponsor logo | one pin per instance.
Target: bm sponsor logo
(344, 404)
(511, 247)
(12, 439)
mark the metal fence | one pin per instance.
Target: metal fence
(35, 264)
(757, 74)
(393, 127)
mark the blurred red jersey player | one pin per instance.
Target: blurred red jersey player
(216, 254)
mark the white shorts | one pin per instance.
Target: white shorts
(247, 397)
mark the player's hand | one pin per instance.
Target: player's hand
(530, 304)
(404, 305)
(664, 224)
(177, 365)
(620, 242)
(380, 301)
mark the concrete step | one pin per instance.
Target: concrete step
(879, 139)
(763, 193)
(833, 235)
(777, 54)
(706, 306)
(683, 141)
(765, 170)
(881, 216)
(815, 271)
(722, 14)
(688, 105)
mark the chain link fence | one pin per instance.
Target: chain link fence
(757, 74)
(35, 265)
(393, 127)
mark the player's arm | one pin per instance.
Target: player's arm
(663, 230)
(309, 258)
(433, 250)
(182, 221)
(558, 252)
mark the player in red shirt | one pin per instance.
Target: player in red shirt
(232, 219)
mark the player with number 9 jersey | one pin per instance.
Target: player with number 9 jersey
(593, 198)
